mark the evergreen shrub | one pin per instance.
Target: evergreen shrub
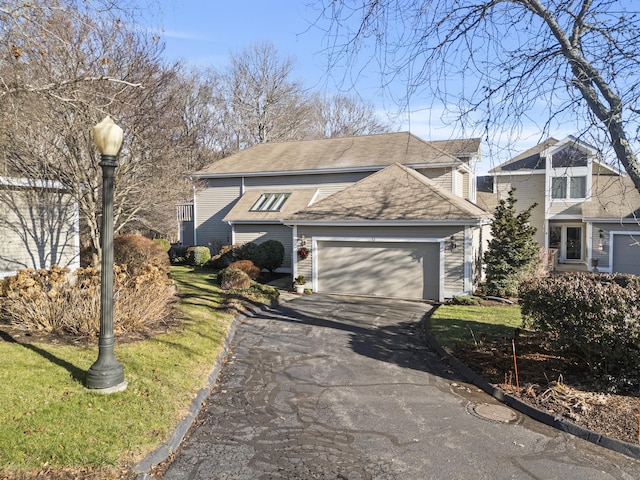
(269, 255)
(164, 243)
(592, 317)
(198, 255)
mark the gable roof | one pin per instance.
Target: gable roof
(369, 152)
(396, 193)
(528, 160)
(533, 159)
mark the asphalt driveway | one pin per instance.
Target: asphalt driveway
(338, 387)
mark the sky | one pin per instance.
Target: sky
(206, 32)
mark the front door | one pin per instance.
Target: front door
(574, 243)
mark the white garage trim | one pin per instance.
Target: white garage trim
(440, 241)
(612, 234)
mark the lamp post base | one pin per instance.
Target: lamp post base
(121, 387)
(106, 378)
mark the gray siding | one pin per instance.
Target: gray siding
(262, 233)
(212, 203)
(441, 176)
(530, 189)
(327, 184)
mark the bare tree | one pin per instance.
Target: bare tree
(87, 65)
(263, 103)
(497, 61)
(343, 115)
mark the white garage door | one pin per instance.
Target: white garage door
(626, 254)
(388, 269)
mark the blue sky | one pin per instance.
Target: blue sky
(204, 32)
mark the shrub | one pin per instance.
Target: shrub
(134, 251)
(248, 267)
(62, 302)
(232, 278)
(178, 254)
(466, 300)
(245, 251)
(269, 255)
(593, 317)
(228, 254)
(198, 256)
(164, 243)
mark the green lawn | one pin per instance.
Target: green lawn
(455, 324)
(49, 420)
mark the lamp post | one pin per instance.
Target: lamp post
(106, 375)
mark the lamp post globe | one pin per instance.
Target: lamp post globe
(106, 375)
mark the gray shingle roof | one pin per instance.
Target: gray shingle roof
(241, 211)
(370, 151)
(396, 193)
(615, 197)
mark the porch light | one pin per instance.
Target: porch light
(452, 243)
(106, 375)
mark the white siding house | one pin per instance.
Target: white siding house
(38, 226)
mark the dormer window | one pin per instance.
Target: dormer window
(569, 187)
(270, 202)
(569, 158)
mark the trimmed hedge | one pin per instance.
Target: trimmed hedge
(248, 267)
(198, 256)
(592, 317)
(233, 278)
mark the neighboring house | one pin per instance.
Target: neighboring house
(387, 214)
(39, 225)
(587, 213)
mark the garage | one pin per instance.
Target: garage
(385, 269)
(626, 253)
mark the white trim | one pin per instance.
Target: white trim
(611, 235)
(468, 260)
(387, 223)
(195, 218)
(440, 241)
(33, 183)
(294, 254)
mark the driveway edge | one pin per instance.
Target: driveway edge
(164, 451)
(559, 423)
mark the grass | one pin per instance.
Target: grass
(50, 421)
(455, 324)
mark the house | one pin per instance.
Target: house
(39, 225)
(587, 213)
(387, 214)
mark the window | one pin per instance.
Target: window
(558, 187)
(270, 202)
(569, 187)
(578, 187)
(569, 157)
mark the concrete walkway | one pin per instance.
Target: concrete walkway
(346, 388)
